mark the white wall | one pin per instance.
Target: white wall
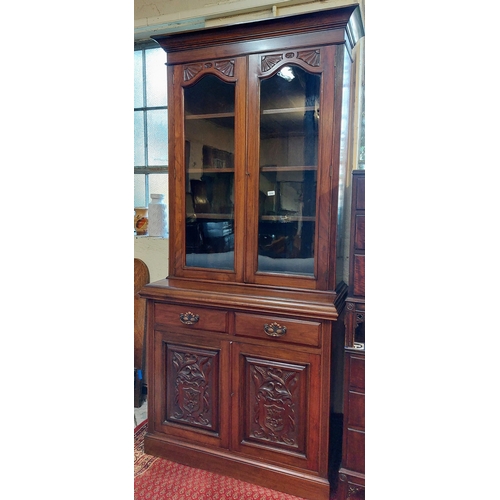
(154, 253)
(162, 16)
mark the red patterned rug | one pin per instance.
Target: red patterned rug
(160, 479)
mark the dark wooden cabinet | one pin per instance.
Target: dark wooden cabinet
(355, 303)
(352, 472)
(243, 336)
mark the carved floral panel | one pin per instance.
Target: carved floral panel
(192, 390)
(274, 394)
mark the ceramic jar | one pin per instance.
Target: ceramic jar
(157, 216)
(141, 221)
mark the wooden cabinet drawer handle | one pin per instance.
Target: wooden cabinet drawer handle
(275, 330)
(189, 318)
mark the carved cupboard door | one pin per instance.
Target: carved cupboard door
(276, 408)
(191, 397)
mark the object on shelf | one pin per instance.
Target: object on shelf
(157, 216)
(141, 221)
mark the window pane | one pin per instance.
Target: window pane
(138, 80)
(158, 183)
(139, 152)
(139, 190)
(156, 77)
(157, 137)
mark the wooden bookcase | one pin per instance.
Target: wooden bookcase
(240, 336)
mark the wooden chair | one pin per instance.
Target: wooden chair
(141, 278)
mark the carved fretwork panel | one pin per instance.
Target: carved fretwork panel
(310, 57)
(350, 491)
(356, 492)
(275, 399)
(192, 386)
(225, 67)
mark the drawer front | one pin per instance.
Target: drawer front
(355, 451)
(278, 329)
(356, 414)
(192, 317)
(357, 373)
(359, 233)
(359, 275)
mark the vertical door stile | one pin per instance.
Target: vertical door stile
(252, 167)
(240, 166)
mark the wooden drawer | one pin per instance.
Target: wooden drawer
(357, 373)
(359, 275)
(356, 414)
(355, 459)
(193, 317)
(278, 329)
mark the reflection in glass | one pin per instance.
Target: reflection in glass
(209, 157)
(288, 171)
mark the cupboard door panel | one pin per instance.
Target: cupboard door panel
(190, 389)
(277, 405)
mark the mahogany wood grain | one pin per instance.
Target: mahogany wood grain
(141, 278)
(353, 447)
(245, 365)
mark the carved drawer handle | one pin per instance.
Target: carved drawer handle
(189, 318)
(275, 330)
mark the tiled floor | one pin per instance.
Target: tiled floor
(140, 414)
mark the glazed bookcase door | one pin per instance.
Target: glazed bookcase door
(210, 121)
(292, 176)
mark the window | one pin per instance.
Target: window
(150, 124)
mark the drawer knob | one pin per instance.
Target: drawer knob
(189, 318)
(275, 330)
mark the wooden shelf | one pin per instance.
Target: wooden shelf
(210, 216)
(210, 170)
(209, 116)
(286, 168)
(279, 111)
(287, 218)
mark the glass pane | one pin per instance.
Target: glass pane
(157, 137)
(158, 183)
(288, 171)
(139, 151)
(139, 190)
(209, 133)
(138, 80)
(156, 77)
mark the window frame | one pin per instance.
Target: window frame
(147, 169)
